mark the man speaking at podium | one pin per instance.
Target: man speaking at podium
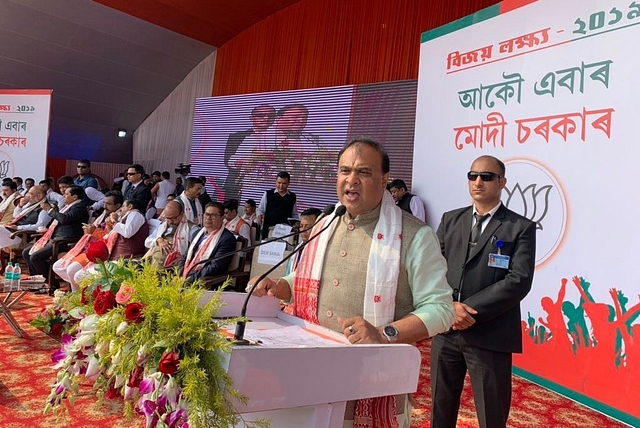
(376, 275)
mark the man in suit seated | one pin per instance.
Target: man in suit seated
(210, 241)
(67, 223)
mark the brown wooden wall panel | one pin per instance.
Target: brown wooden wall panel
(318, 43)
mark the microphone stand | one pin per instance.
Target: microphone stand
(240, 326)
(327, 211)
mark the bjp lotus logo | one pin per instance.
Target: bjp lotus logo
(532, 201)
(6, 165)
(4, 168)
(534, 192)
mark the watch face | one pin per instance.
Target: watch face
(390, 331)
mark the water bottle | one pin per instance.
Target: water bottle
(17, 271)
(8, 277)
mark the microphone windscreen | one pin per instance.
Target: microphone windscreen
(328, 209)
(341, 210)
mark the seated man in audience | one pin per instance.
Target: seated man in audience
(29, 183)
(10, 197)
(126, 232)
(250, 215)
(53, 197)
(233, 222)
(211, 241)
(19, 187)
(67, 224)
(170, 197)
(28, 215)
(170, 241)
(190, 200)
(73, 261)
(307, 220)
(64, 183)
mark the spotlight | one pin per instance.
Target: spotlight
(122, 133)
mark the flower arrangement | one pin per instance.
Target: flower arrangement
(145, 336)
(55, 319)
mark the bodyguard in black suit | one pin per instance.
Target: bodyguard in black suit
(489, 278)
(137, 192)
(66, 223)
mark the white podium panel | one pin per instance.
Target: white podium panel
(303, 374)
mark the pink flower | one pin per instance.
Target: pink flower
(380, 236)
(147, 385)
(124, 294)
(58, 356)
(177, 418)
(377, 299)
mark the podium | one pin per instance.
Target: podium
(305, 376)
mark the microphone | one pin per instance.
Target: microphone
(240, 327)
(328, 210)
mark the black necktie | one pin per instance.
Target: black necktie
(477, 228)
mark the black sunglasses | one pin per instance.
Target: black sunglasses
(484, 176)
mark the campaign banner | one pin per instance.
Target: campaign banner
(550, 88)
(24, 132)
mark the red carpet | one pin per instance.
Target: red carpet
(26, 371)
(532, 406)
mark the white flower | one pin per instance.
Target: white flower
(93, 368)
(160, 344)
(130, 393)
(102, 348)
(119, 381)
(172, 391)
(84, 339)
(88, 324)
(122, 327)
(121, 354)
